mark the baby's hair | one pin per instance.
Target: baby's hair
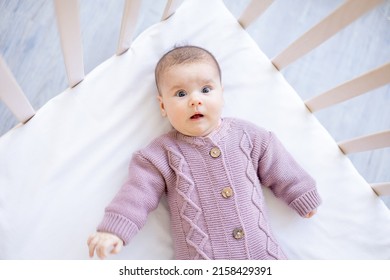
(183, 55)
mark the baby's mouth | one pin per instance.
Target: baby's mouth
(196, 116)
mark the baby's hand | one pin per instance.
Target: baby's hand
(101, 242)
(311, 214)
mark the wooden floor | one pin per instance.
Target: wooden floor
(29, 44)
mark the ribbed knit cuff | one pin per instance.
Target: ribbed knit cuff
(118, 225)
(306, 202)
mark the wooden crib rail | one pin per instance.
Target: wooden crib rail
(129, 22)
(254, 9)
(381, 189)
(130, 19)
(70, 32)
(329, 26)
(366, 143)
(170, 8)
(12, 95)
(355, 87)
(68, 19)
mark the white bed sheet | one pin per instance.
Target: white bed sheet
(59, 170)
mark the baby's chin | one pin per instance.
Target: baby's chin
(201, 132)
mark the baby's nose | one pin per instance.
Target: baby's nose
(195, 101)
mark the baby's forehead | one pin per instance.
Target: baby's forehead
(199, 62)
(194, 63)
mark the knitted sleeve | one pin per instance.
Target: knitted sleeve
(286, 178)
(140, 194)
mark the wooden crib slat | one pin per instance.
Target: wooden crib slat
(254, 9)
(366, 143)
(129, 22)
(68, 20)
(330, 25)
(381, 189)
(12, 95)
(170, 8)
(355, 87)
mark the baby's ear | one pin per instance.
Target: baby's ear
(162, 108)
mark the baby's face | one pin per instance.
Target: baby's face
(191, 97)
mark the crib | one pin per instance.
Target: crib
(64, 162)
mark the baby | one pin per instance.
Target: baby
(211, 170)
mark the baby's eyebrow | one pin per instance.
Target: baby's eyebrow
(176, 88)
(208, 81)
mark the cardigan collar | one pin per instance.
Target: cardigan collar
(214, 137)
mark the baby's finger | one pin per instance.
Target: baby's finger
(92, 236)
(102, 249)
(117, 248)
(92, 241)
(311, 214)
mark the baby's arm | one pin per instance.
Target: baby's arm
(279, 171)
(102, 242)
(127, 212)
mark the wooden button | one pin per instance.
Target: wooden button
(227, 192)
(215, 152)
(238, 233)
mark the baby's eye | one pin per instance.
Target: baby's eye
(181, 93)
(206, 89)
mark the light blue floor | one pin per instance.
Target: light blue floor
(29, 44)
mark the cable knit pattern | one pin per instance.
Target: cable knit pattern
(272, 246)
(189, 210)
(214, 190)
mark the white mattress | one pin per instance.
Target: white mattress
(59, 170)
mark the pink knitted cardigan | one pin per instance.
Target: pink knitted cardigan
(213, 189)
